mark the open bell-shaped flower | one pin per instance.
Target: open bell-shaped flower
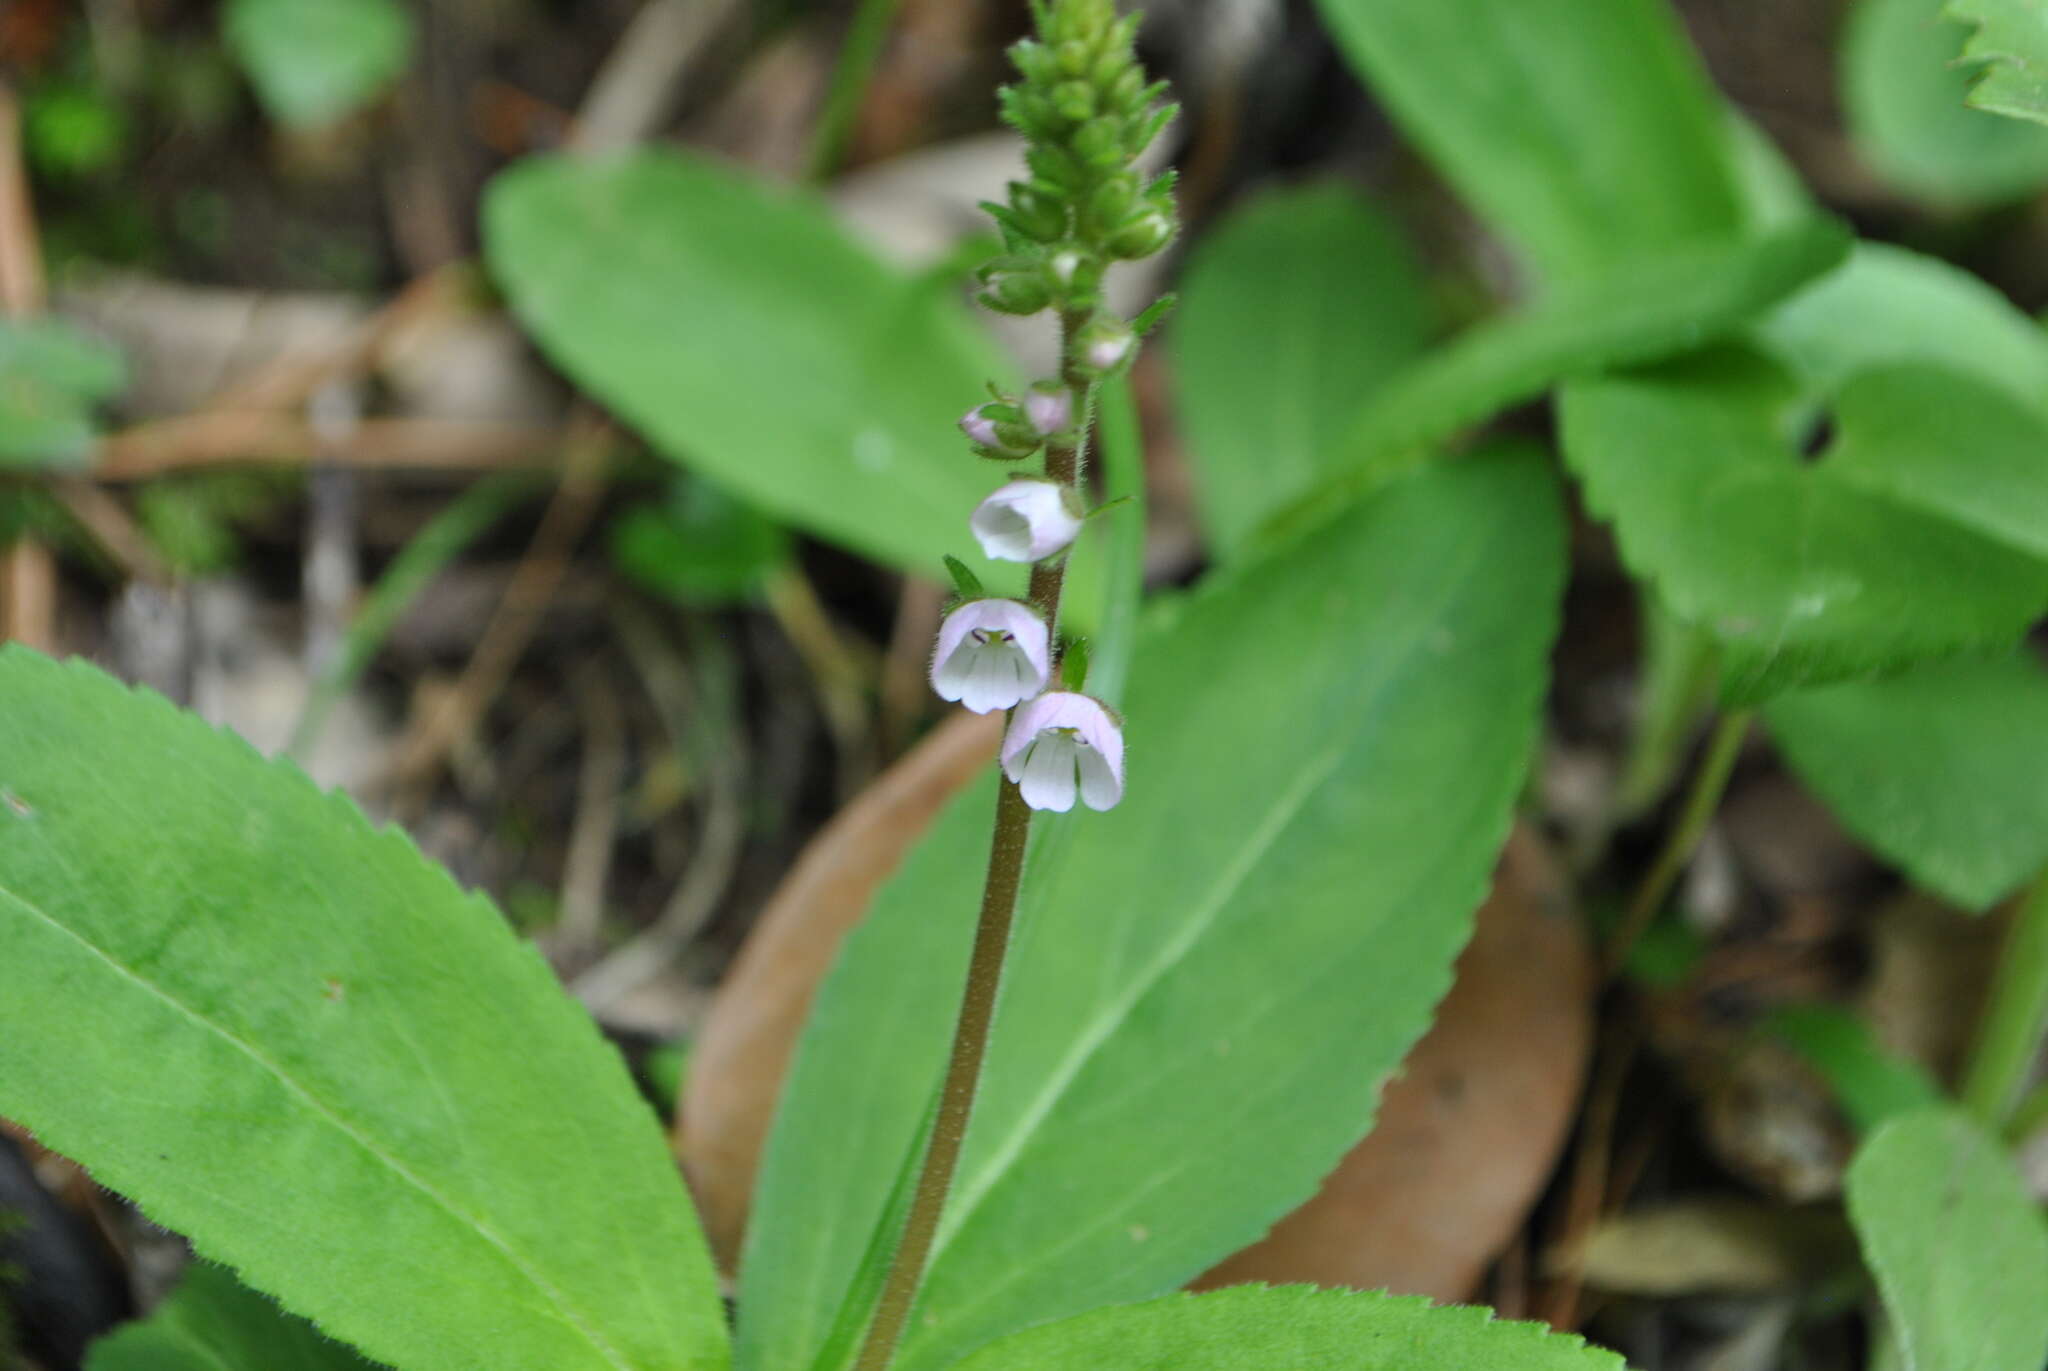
(1027, 520)
(991, 655)
(1062, 744)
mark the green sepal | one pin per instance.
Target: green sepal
(964, 580)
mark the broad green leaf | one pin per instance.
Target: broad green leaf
(2011, 46)
(1871, 1083)
(1296, 1327)
(746, 336)
(1904, 96)
(1888, 304)
(1324, 745)
(1291, 312)
(1584, 130)
(1877, 556)
(213, 1322)
(290, 1038)
(1941, 769)
(1959, 1250)
(1639, 311)
(51, 378)
(314, 61)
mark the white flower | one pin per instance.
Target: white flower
(1025, 521)
(991, 654)
(1048, 411)
(1062, 742)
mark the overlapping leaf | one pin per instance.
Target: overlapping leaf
(1323, 750)
(1905, 98)
(1291, 313)
(1913, 538)
(315, 61)
(746, 336)
(2011, 45)
(1290, 1326)
(51, 379)
(1941, 769)
(213, 1322)
(292, 1039)
(1958, 1247)
(1584, 130)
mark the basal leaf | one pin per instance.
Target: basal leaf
(1583, 130)
(738, 329)
(1295, 1326)
(1324, 748)
(1291, 312)
(1941, 770)
(213, 1322)
(1959, 1249)
(2011, 46)
(1904, 95)
(314, 61)
(1888, 304)
(1876, 557)
(289, 1037)
(1638, 311)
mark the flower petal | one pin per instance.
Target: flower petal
(1101, 785)
(1049, 774)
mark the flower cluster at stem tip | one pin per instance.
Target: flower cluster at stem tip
(1087, 114)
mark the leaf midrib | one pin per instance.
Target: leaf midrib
(569, 1315)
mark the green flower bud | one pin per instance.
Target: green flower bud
(1099, 143)
(1142, 235)
(1014, 286)
(1038, 212)
(1075, 101)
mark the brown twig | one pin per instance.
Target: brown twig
(218, 437)
(593, 834)
(450, 715)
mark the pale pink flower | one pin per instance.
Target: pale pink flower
(979, 427)
(1048, 411)
(991, 654)
(1061, 743)
(1025, 521)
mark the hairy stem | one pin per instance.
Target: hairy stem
(1700, 802)
(2010, 1033)
(1065, 463)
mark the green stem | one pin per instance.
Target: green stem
(857, 58)
(1065, 463)
(1708, 782)
(2010, 1033)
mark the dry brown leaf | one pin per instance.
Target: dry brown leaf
(1470, 1131)
(1717, 1246)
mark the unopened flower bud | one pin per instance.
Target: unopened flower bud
(1063, 266)
(1000, 430)
(1048, 409)
(1062, 744)
(991, 655)
(1015, 288)
(1106, 343)
(1026, 521)
(979, 427)
(1142, 235)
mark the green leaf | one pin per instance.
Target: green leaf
(290, 1038)
(1291, 1326)
(1958, 1248)
(2011, 46)
(1639, 311)
(1940, 770)
(314, 61)
(1325, 745)
(1904, 96)
(1293, 310)
(1878, 556)
(213, 1322)
(1872, 1084)
(51, 378)
(699, 546)
(1849, 321)
(740, 330)
(1584, 130)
